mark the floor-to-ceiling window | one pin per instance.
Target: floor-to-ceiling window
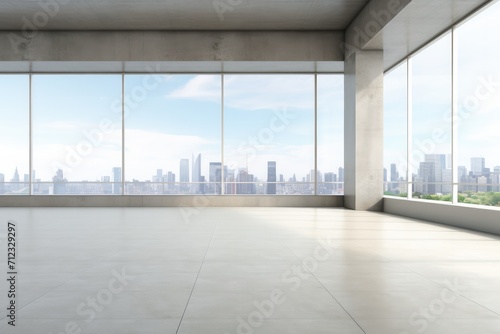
(478, 108)
(430, 152)
(155, 134)
(396, 131)
(453, 96)
(330, 134)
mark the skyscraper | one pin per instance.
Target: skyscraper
(117, 180)
(439, 161)
(107, 187)
(215, 177)
(184, 174)
(477, 166)
(2, 184)
(271, 177)
(462, 178)
(427, 176)
(171, 182)
(159, 176)
(245, 185)
(196, 174)
(496, 179)
(394, 177)
(59, 183)
(15, 179)
(330, 178)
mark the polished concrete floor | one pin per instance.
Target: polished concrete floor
(247, 270)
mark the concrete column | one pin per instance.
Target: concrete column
(363, 126)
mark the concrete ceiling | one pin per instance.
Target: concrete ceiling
(418, 23)
(179, 14)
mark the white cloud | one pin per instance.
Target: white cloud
(251, 92)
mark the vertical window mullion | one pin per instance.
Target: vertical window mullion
(454, 117)
(222, 183)
(316, 134)
(409, 130)
(30, 123)
(123, 135)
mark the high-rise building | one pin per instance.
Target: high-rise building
(15, 178)
(230, 183)
(245, 184)
(394, 177)
(107, 187)
(15, 181)
(427, 175)
(2, 184)
(330, 179)
(170, 182)
(446, 179)
(439, 161)
(159, 176)
(271, 178)
(477, 166)
(196, 176)
(214, 178)
(482, 184)
(59, 183)
(462, 178)
(117, 180)
(184, 174)
(496, 179)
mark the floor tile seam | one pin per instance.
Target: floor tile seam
(333, 297)
(196, 280)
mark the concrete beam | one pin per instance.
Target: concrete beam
(171, 46)
(370, 22)
(363, 131)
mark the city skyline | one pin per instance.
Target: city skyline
(195, 184)
(434, 176)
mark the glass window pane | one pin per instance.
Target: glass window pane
(478, 108)
(395, 131)
(431, 139)
(269, 134)
(330, 127)
(76, 133)
(172, 134)
(14, 135)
